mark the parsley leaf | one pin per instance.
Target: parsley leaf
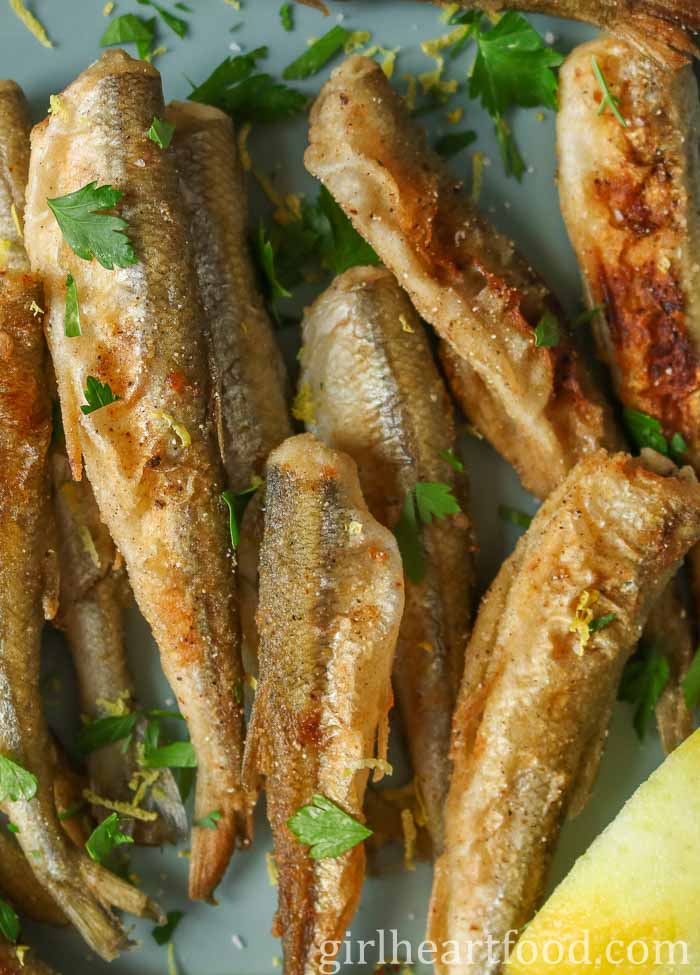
(451, 143)
(176, 24)
(209, 821)
(9, 922)
(287, 16)
(72, 327)
(105, 837)
(452, 459)
(178, 754)
(643, 682)
(164, 932)
(646, 431)
(600, 622)
(161, 132)
(318, 55)
(130, 29)
(326, 828)
(691, 682)
(72, 810)
(89, 231)
(237, 502)
(12, 828)
(609, 100)
(547, 333)
(245, 96)
(425, 501)
(514, 515)
(105, 731)
(15, 782)
(341, 247)
(97, 395)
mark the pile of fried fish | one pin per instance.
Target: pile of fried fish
(143, 401)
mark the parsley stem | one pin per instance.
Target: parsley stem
(609, 100)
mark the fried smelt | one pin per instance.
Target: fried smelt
(250, 381)
(630, 196)
(375, 393)
(331, 598)
(536, 681)
(19, 885)
(151, 455)
(537, 405)
(94, 591)
(84, 890)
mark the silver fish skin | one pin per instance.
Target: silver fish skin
(530, 705)
(151, 456)
(250, 379)
(94, 593)
(84, 890)
(331, 587)
(374, 392)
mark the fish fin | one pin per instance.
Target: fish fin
(383, 734)
(112, 891)
(665, 42)
(211, 849)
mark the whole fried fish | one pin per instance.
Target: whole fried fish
(84, 889)
(150, 454)
(537, 404)
(630, 196)
(331, 598)
(374, 392)
(92, 598)
(250, 381)
(19, 885)
(537, 678)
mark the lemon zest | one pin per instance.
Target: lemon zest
(116, 707)
(426, 645)
(108, 8)
(36, 310)
(172, 965)
(410, 833)
(583, 617)
(17, 222)
(5, 246)
(32, 23)
(57, 106)
(354, 528)
(148, 778)
(89, 544)
(21, 951)
(179, 429)
(388, 62)
(411, 91)
(405, 327)
(377, 764)
(455, 116)
(273, 877)
(184, 854)
(123, 808)
(356, 40)
(243, 151)
(477, 175)
(236, 4)
(449, 12)
(252, 681)
(303, 405)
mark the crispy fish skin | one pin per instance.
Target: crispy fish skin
(538, 406)
(19, 885)
(84, 890)
(529, 704)
(14, 163)
(151, 456)
(94, 591)
(377, 395)
(250, 379)
(331, 587)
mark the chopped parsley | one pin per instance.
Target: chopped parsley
(130, 29)
(600, 622)
(340, 245)
(609, 100)
(177, 754)
(210, 821)
(9, 922)
(547, 334)
(247, 96)
(32, 23)
(105, 837)
(318, 55)
(643, 682)
(15, 782)
(691, 682)
(237, 502)
(451, 143)
(646, 431)
(71, 811)
(161, 132)
(266, 253)
(514, 515)
(97, 395)
(586, 317)
(89, 231)
(163, 933)
(452, 459)
(326, 828)
(12, 828)
(287, 16)
(106, 731)
(425, 501)
(72, 319)
(176, 24)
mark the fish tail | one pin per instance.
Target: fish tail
(212, 849)
(112, 891)
(95, 922)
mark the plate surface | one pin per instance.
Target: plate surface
(234, 937)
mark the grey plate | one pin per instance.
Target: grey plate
(206, 939)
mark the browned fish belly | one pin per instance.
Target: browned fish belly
(374, 392)
(331, 588)
(250, 381)
(84, 890)
(151, 456)
(533, 692)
